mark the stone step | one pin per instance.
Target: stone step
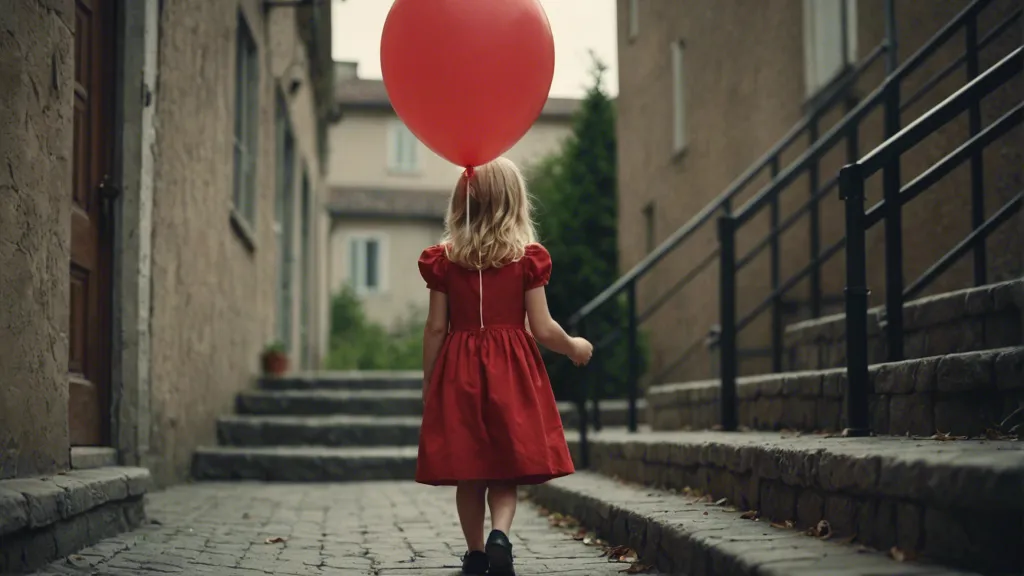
(336, 430)
(613, 413)
(682, 535)
(965, 320)
(958, 502)
(45, 518)
(349, 380)
(304, 463)
(322, 402)
(962, 394)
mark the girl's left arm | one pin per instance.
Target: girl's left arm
(434, 333)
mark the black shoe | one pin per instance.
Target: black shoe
(499, 554)
(474, 563)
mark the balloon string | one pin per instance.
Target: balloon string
(469, 230)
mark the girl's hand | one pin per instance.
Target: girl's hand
(581, 351)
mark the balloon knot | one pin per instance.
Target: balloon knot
(468, 173)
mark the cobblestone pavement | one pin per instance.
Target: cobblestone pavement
(379, 529)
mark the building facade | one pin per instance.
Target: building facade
(160, 217)
(707, 87)
(388, 194)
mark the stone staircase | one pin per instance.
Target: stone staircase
(351, 426)
(938, 488)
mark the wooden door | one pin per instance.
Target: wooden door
(92, 194)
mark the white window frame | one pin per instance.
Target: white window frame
(634, 19)
(246, 131)
(823, 44)
(403, 149)
(679, 139)
(357, 263)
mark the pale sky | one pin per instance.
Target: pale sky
(577, 25)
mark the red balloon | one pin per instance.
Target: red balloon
(468, 77)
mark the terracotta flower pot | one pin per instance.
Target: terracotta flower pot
(275, 363)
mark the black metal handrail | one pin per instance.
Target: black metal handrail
(851, 189)
(887, 95)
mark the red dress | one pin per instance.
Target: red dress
(490, 413)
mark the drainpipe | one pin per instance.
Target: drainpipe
(891, 55)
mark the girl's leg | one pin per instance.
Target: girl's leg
(502, 498)
(469, 499)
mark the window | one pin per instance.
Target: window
(649, 227)
(830, 40)
(403, 155)
(634, 19)
(246, 123)
(678, 98)
(366, 259)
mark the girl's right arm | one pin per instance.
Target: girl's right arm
(434, 332)
(549, 333)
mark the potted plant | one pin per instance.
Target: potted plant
(274, 359)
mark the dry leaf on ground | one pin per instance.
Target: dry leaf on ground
(276, 540)
(721, 502)
(580, 534)
(946, 437)
(622, 554)
(784, 525)
(822, 530)
(750, 515)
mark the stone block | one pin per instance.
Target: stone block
(828, 414)
(966, 534)
(833, 383)
(1009, 369)
(963, 336)
(799, 413)
(1002, 329)
(805, 384)
(881, 532)
(912, 414)
(770, 387)
(841, 513)
(14, 510)
(47, 503)
(909, 526)
(965, 372)
(915, 345)
(924, 374)
(1008, 296)
(810, 508)
(965, 415)
(778, 501)
(895, 377)
(878, 407)
(934, 310)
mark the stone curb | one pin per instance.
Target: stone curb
(914, 396)
(320, 402)
(959, 501)
(681, 536)
(318, 430)
(964, 320)
(34, 503)
(614, 413)
(45, 518)
(304, 464)
(355, 380)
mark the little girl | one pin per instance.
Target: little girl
(490, 422)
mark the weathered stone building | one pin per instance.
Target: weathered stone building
(160, 213)
(708, 87)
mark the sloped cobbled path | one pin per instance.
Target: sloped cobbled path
(379, 529)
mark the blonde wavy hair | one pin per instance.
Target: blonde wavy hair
(499, 226)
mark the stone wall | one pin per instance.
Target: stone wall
(36, 73)
(744, 89)
(213, 291)
(961, 394)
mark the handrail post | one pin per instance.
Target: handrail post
(977, 165)
(891, 55)
(776, 310)
(813, 215)
(634, 354)
(727, 304)
(893, 233)
(581, 407)
(851, 190)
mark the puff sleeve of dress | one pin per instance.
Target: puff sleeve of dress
(433, 265)
(538, 266)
